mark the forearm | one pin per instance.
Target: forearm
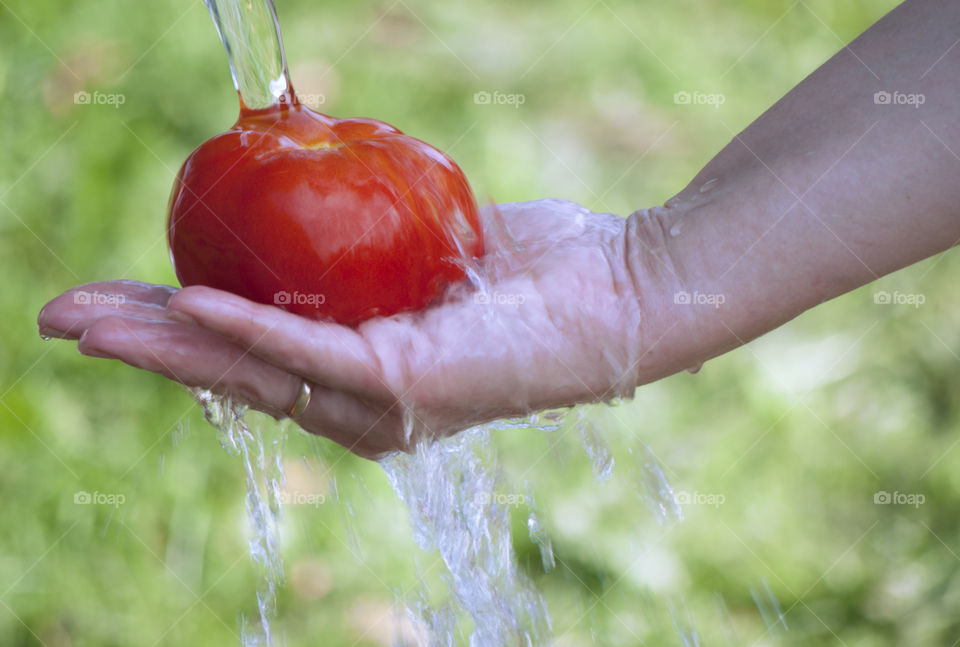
(826, 191)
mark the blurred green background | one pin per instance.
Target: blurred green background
(779, 448)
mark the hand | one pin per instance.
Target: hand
(556, 323)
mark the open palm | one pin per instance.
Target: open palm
(552, 319)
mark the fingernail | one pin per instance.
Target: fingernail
(85, 349)
(180, 317)
(94, 352)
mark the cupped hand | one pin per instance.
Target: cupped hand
(552, 318)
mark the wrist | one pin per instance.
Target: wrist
(737, 272)
(707, 281)
(671, 330)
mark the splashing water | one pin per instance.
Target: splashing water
(655, 489)
(454, 493)
(263, 474)
(595, 445)
(539, 536)
(449, 487)
(684, 626)
(768, 606)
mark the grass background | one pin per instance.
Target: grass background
(796, 432)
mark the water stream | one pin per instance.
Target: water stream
(261, 455)
(458, 504)
(451, 490)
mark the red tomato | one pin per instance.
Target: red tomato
(340, 219)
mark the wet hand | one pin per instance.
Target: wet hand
(552, 320)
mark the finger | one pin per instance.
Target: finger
(66, 318)
(328, 354)
(199, 358)
(352, 423)
(69, 314)
(138, 291)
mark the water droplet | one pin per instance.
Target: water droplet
(768, 606)
(693, 370)
(726, 620)
(348, 517)
(709, 184)
(675, 231)
(655, 489)
(684, 625)
(596, 447)
(408, 424)
(548, 420)
(307, 463)
(539, 536)
(45, 337)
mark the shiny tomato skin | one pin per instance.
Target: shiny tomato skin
(329, 219)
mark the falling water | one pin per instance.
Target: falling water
(263, 475)
(459, 505)
(450, 488)
(768, 606)
(596, 447)
(655, 490)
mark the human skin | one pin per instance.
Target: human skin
(825, 192)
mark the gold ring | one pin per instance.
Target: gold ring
(303, 400)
